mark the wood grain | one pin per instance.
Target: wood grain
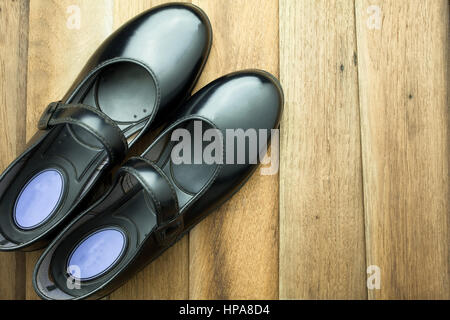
(404, 85)
(321, 209)
(234, 252)
(13, 62)
(364, 171)
(55, 57)
(167, 277)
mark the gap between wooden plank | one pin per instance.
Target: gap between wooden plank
(13, 76)
(355, 59)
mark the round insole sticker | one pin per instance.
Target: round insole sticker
(96, 254)
(38, 199)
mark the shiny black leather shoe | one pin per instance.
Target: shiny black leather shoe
(197, 163)
(137, 77)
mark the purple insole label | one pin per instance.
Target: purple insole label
(96, 254)
(38, 199)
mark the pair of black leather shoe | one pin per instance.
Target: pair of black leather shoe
(139, 79)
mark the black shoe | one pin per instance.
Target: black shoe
(131, 84)
(157, 198)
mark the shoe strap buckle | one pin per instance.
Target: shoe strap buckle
(170, 230)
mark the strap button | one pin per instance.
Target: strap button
(47, 115)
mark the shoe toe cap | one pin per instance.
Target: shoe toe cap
(250, 99)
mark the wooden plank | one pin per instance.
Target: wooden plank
(167, 277)
(13, 75)
(321, 208)
(58, 50)
(404, 83)
(234, 252)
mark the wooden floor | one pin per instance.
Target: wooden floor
(364, 151)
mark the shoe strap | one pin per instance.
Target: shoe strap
(92, 120)
(160, 189)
